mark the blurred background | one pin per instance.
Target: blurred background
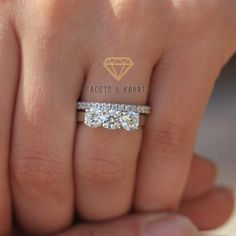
(217, 135)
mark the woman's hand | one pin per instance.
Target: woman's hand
(50, 49)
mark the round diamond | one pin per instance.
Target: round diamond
(111, 119)
(93, 117)
(130, 120)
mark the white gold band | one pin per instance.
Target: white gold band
(112, 116)
(141, 109)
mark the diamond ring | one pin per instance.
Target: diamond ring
(111, 115)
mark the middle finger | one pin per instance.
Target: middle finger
(44, 125)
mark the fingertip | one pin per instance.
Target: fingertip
(211, 210)
(201, 177)
(144, 225)
(170, 225)
(202, 160)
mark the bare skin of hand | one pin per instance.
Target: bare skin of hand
(49, 50)
(207, 206)
(138, 225)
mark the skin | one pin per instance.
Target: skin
(146, 225)
(48, 53)
(207, 206)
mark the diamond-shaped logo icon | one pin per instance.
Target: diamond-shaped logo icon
(118, 66)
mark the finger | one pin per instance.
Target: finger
(201, 177)
(9, 69)
(44, 125)
(181, 86)
(211, 210)
(149, 225)
(106, 160)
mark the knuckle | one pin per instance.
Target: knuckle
(196, 18)
(3, 2)
(51, 24)
(102, 171)
(170, 137)
(38, 173)
(56, 13)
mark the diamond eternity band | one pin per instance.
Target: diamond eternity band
(111, 115)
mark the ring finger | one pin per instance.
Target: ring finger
(106, 160)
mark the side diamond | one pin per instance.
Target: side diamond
(93, 118)
(129, 120)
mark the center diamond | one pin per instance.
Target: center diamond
(112, 119)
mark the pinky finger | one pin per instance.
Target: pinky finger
(201, 178)
(211, 210)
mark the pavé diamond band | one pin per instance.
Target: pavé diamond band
(112, 116)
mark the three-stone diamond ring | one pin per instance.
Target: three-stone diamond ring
(112, 115)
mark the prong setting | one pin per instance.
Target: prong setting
(111, 119)
(112, 116)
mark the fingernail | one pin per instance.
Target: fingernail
(170, 225)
